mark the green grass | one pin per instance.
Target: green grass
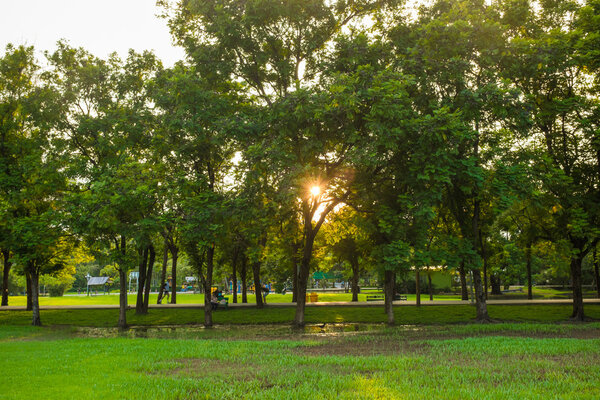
(190, 298)
(282, 315)
(502, 361)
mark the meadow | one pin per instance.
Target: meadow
(492, 361)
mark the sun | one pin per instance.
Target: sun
(315, 191)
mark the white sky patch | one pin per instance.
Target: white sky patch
(101, 27)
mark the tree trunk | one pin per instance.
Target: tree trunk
(294, 282)
(495, 284)
(210, 253)
(234, 272)
(480, 303)
(597, 273)
(303, 277)
(257, 285)
(29, 291)
(388, 285)
(122, 298)
(5, 272)
(163, 275)
(418, 286)
(529, 284)
(139, 305)
(578, 314)
(174, 255)
(485, 276)
(430, 287)
(463, 281)
(149, 278)
(35, 300)
(355, 272)
(244, 277)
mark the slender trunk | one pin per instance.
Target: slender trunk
(35, 300)
(495, 284)
(234, 272)
(485, 276)
(139, 305)
(163, 275)
(147, 288)
(480, 303)
(210, 253)
(29, 291)
(355, 271)
(597, 273)
(578, 314)
(303, 277)
(257, 285)
(174, 255)
(388, 285)
(5, 272)
(430, 287)
(418, 286)
(463, 281)
(243, 276)
(122, 299)
(528, 259)
(123, 288)
(294, 281)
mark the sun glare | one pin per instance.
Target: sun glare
(315, 190)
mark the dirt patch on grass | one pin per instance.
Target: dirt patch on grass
(382, 346)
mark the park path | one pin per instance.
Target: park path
(318, 304)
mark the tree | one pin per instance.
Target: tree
(543, 63)
(106, 128)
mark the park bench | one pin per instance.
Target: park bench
(520, 290)
(381, 297)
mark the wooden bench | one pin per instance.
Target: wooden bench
(381, 297)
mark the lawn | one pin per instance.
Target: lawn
(409, 315)
(190, 298)
(493, 361)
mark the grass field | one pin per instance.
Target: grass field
(409, 315)
(190, 298)
(493, 361)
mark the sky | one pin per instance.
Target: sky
(100, 26)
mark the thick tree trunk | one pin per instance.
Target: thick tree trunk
(163, 275)
(355, 272)
(480, 303)
(495, 284)
(578, 314)
(234, 273)
(122, 299)
(148, 284)
(303, 278)
(528, 266)
(597, 273)
(5, 272)
(388, 288)
(418, 286)
(430, 287)
(244, 277)
(29, 291)
(257, 285)
(174, 255)
(35, 299)
(139, 305)
(208, 320)
(463, 281)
